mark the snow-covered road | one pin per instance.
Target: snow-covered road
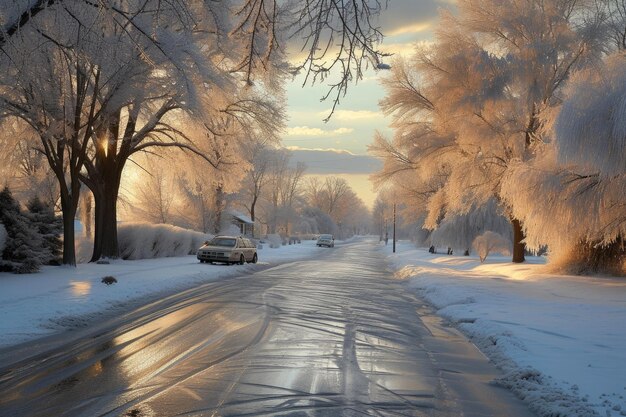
(328, 337)
(61, 298)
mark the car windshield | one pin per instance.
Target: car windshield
(223, 241)
(329, 237)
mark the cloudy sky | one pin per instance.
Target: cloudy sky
(339, 147)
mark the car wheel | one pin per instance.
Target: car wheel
(242, 260)
(255, 259)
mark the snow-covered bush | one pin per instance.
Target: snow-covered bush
(147, 241)
(490, 242)
(275, 240)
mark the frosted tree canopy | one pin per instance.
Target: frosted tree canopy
(591, 125)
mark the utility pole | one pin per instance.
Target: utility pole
(394, 227)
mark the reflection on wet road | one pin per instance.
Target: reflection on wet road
(329, 337)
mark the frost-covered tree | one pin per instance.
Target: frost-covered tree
(582, 175)
(155, 195)
(313, 220)
(336, 192)
(469, 107)
(260, 157)
(196, 197)
(195, 210)
(334, 197)
(23, 166)
(379, 212)
(53, 90)
(329, 195)
(356, 217)
(290, 193)
(314, 191)
(145, 92)
(208, 189)
(126, 69)
(615, 21)
(414, 164)
(65, 86)
(283, 185)
(144, 113)
(336, 40)
(289, 201)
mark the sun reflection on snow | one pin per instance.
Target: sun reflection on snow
(80, 288)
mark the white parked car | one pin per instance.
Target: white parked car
(326, 240)
(229, 250)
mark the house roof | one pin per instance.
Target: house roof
(241, 217)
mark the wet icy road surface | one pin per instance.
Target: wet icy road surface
(336, 336)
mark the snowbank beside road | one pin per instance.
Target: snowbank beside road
(560, 340)
(59, 298)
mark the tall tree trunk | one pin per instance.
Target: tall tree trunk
(519, 247)
(105, 194)
(110, 246)
(104, 179)
(98, 196)
(69, 207)
(88, 225)
(70, 195)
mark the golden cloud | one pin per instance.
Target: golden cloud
(408, 29)
(352, 115)
(316, 131)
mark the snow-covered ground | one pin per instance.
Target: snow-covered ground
(59, 298)
(560, 340)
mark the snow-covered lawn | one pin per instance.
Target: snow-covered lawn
(58, 298)
(560, 340)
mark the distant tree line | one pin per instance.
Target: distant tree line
(274, 191)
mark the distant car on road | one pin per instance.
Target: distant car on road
(228, 250)
(326, 240)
